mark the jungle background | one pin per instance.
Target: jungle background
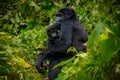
(23, 37)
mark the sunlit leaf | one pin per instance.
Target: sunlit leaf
(37, 8)
(23, 63)
(95, 35)
(71, 49)
(2, 33)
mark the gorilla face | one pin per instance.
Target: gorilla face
(64, 14)
(53, 30)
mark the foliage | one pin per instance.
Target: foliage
(23, 37)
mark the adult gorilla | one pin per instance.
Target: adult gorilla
(71, 34)
(79, 34)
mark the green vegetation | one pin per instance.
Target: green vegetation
(23, 37)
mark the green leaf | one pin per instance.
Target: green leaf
(95, 34)
(81, 76)
(107, 49)
(37, 8)
(5, 26)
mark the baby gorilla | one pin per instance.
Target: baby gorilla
(53, 33)
(53, 40)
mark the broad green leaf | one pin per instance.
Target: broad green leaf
(95, 34)
(10, 27)
(5, 26)
(107, 49)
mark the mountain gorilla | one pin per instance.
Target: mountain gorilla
(79, 34)
(65, 32)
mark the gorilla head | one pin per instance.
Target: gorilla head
(53, 30)
(65, 14)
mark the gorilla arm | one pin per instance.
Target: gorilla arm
(79, 36)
